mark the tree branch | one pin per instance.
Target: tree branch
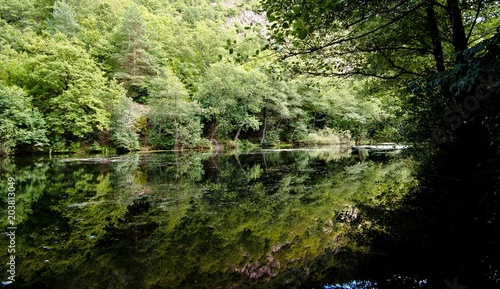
(339, 41)
(475, 19)
(439, 5)
(391, 62)
(315, 73)
(423, 50)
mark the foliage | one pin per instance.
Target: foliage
(133, 59)
(357, 105)
(175, 125)
(20, 124)
(230, 97)
(64, 18)
(26, 13)
(66, 86)
(384, 39)
(469, 115)
(68, 56)
(174, 120)
(327, 136)
(121, 124)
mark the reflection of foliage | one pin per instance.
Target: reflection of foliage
(30, 182)
(70, 208)
(259, 220)
(331, 153)
(264, 224)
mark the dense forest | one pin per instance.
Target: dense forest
(128, 75)
(103, 75)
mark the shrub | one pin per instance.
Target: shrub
(327, 136)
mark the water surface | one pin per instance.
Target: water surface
(267, 219)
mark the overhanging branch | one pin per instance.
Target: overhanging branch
(344, 40)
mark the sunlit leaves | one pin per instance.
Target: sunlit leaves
(121, 124)
(231, 96)
(20, 123)
(174, 119)
(66, 86)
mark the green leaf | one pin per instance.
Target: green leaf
(301, 33)
(297, 24)
(270, 17)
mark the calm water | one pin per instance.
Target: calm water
(272, 219)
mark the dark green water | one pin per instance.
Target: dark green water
(288, 219)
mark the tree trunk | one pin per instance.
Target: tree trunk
(176, 165)
(457, 26)
(437, 47)
(238, 161)
(264, 130)
(237, 134)
(176, 144)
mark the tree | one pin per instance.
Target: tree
(174, 119)
(67, 87)
(467, 119)
(279, 107)
(376, 38)
(135, 64)
(64, 18)
(231, 97)
(20, 124)
(402, 41)
(26, 13)
(356, 105)
(121, 125)
(194, 49)
(15, 11)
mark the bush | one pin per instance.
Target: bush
(272, 138)
(328, 136)
(201, 143)
(246, 144)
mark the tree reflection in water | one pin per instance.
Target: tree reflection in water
(289, 219)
